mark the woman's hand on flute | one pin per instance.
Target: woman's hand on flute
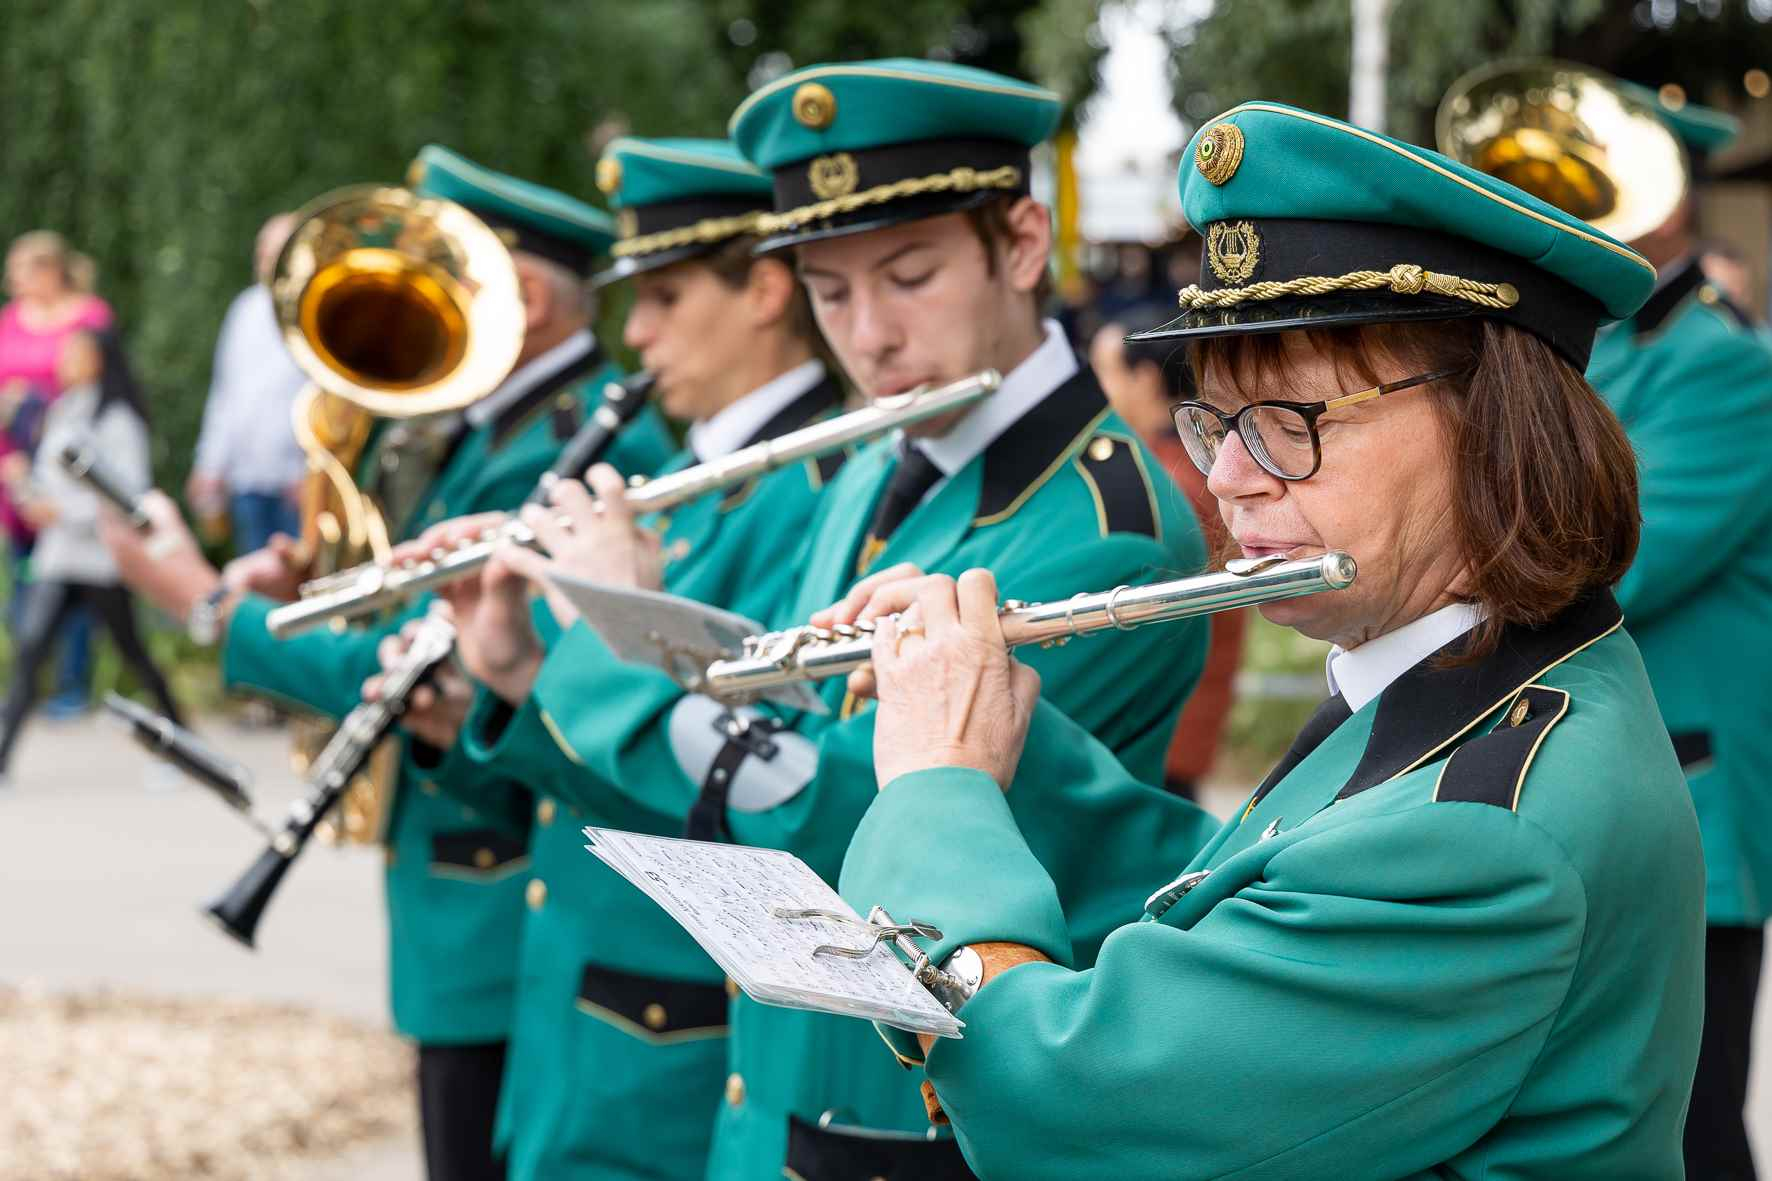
(494, 634)
(950, 694)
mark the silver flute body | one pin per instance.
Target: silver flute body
(367, 589)
(811, 654)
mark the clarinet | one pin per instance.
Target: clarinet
(622, 402)
(82, 461)
(811, 654)
(238, 909)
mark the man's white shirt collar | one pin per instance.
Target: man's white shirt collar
(1023, 388)
(737, 424)
(1365, 672)
(526, 377)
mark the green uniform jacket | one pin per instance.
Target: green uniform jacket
(1460, 936)
(454, 878)
(1062, 502)
(1692, 383)
(618, 1045)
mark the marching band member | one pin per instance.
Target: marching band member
(454, 875)
(1691, 379)
(1457, 931)
(901, 195)
(619, 1016)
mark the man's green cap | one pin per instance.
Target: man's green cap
(536, 219)
(863, 145)
(1702, 129)
(676, 199)
(1309, 222)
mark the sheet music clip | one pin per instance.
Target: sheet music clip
(951, 988)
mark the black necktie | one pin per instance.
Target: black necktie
(1331, 714)
(915, 475)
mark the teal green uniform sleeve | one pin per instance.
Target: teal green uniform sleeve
(1700, 429)
(320, 670)
(1423, 987)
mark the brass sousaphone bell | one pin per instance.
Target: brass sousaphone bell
(1569, 136)
(395, 305)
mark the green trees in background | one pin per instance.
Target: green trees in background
(158, 134)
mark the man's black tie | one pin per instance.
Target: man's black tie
(915, 475)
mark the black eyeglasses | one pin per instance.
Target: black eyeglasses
(1282, 436)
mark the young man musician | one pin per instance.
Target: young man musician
(901, 194)
(454, 876)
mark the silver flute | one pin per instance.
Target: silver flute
(815, 653)
(371, 587)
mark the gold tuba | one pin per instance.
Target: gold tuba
(1569, 136)
(399, 306)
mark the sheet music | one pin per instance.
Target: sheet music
(668, 632)
(724, 896)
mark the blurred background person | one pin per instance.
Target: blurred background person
(101, 402)
(1140, 391)
(1727, 268)
(51, 297)
(248, 467)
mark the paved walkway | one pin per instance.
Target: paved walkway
(105, 861)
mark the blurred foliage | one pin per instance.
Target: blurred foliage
(159, 136)
(1280, 685)
(1297, 51)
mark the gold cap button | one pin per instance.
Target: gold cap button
(653, 1015)
(735, 1088)
(536, 894)
(544, 812)
(483, 859)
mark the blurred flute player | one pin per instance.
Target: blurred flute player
(913, 278)
(454, 890)
(101, 405)
(249, 466)
(1458, 930)
(1691, 380)
(621, 1019)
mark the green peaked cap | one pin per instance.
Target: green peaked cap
(545, 222)
(1702, 129)
(676, 199)
(857, 146)
(1307, 221)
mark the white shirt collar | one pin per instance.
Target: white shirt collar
(1365, 672)
(1023, 388)
(734, 426)
(526, 377)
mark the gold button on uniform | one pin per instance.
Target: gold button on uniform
(484, 859)
(731, 987)
(653, 1015)
(735, 1088)
(1101, 450)
(1521, 711)
(426, 786)
(536, 894)
(544, 812)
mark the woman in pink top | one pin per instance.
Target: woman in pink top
(50, 286)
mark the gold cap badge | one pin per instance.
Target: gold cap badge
(1219, 152)
(609, 174)
(1233, 250)
(814, 105)
(833, 176)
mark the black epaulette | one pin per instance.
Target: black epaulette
(1492, 769)
(1125, 501)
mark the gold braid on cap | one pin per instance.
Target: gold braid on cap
(1404, 279)
(710, 229)
(959, 180)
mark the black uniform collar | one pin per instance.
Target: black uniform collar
(1025, 456)
(1670, 295)
(1427, 709)
(511, 418)
(801, 411)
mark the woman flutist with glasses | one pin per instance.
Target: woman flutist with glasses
(1459, 929)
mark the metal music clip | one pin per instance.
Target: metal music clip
(951, 988)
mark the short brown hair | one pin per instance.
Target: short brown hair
(731, 263)
(990, 222)
(1544, 481)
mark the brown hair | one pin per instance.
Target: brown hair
(1544, 483)
(990, 222)
(732, 263)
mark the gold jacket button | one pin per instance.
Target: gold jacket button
(544, 812)
(735, 1089)
(426, 786)
(536, 894)
(731, 988)
(484, 859)
(654, 1016)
